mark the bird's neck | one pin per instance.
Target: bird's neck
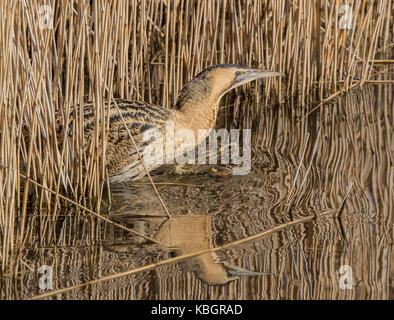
(198, 114)
(197, 106)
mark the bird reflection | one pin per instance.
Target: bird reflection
(184, 234)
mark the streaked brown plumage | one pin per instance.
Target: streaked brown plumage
(196, 108)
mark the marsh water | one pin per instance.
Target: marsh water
(335, 164)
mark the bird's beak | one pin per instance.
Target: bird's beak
(254, 74)
(236, 271)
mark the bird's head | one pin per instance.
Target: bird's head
(217, 80)
(225, 77)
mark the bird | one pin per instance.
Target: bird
(196, 109)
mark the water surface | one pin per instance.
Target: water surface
(350, 175)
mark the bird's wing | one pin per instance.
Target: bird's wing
(139, 117)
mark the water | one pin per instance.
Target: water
(354, 155)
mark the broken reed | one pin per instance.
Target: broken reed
(148, 50)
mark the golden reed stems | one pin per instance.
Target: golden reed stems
(148, 49)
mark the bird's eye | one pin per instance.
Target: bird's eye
(237, 73)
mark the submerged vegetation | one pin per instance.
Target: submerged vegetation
(147, 50)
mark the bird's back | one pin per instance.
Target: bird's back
(122, 160)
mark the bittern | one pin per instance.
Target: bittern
(196, 109)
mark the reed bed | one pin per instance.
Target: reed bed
(147, 50)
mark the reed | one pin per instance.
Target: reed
(147, 50)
